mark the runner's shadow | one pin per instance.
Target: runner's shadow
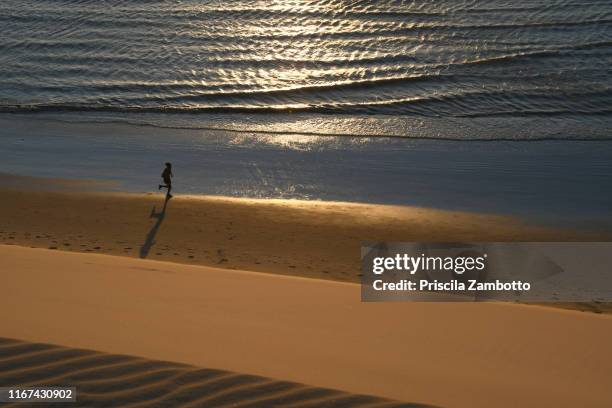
(150, 240)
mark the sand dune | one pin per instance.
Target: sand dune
(104, 380)
(306, 331)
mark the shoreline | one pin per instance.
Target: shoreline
(548, 182)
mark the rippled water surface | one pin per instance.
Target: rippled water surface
(537, 67)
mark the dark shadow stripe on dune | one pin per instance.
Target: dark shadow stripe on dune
(104, 380)
(26, 361)
(236, 395)
(35, 373)
(4, 342)
(185, 395)
(15, 349)
(298, 395)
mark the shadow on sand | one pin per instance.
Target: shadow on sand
(150, 240)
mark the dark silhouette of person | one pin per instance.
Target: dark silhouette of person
(167, 177)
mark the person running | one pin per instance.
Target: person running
(167, 177)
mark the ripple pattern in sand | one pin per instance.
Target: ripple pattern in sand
(105, 380)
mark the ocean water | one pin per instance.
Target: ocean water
(477, 105)
(455, 69)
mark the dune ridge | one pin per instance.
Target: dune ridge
(104, 379)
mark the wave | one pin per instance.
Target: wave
(390, 98)
(446, 59)
(487, 129)
(363, 108)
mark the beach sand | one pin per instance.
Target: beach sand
(307, 331)
(313, 239)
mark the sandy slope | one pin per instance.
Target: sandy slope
(308, 331)
(112, 380)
